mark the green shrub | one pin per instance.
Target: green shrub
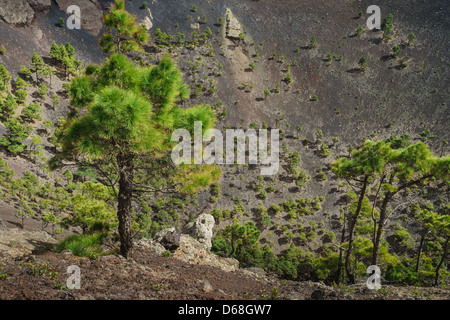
(83, 245)
(386, 25)
(403, 237)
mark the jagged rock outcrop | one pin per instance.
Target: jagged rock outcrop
(15, 243)
(151, 245)
(234, 28)
(40, 5)
(192, 246)
(195, 252)
(201, 229)
(169, 238)
(21, 12)
(17, 12)
(147, 21)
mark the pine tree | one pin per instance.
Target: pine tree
(387, 25)
(8, 107)
(38, 65)
(55, 52)
(36, 147)
(4, 76)
(32, 112)
(67, 61)
(70, 50)
(42, 92)
(21, 90)
(16, 133)
(362, 64)
(364, 165)
(123, 33)
(48, 73)
(25, 71)
(127, 112)
(382, 171)
(55, 100)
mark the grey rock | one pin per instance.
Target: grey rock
(40, 5)
(234, 28)
(201, 229)
(17, 12)
(151, 245)
(16, 243)
(318, 294)
(169, 238)
(194, 252)
(206, 286)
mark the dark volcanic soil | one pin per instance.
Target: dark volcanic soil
(148, 276)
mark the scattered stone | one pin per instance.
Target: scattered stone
(207, 287)
(254, 272)
(296, 296)
(67, 254)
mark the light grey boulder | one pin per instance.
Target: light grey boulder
(234, 28)
(151, 245)
(17, 12)
(201, 229)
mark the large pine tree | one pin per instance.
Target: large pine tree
(125, 111)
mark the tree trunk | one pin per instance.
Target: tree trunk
(422, 241)
(126, 173)
(339, 268)
(444, 256)
(376, 243)
(383, 213)
(351, 230)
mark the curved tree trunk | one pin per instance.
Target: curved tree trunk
(126, 173)
(444, 256)
(422, 241)
(339, 267)
(351, 231)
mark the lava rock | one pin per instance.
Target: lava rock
(169, 238)
(17, 12)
